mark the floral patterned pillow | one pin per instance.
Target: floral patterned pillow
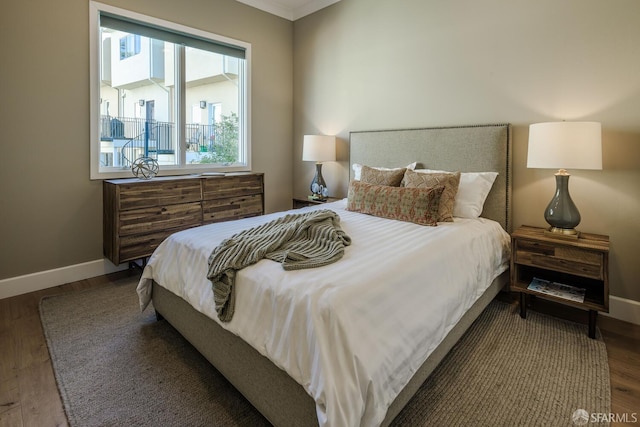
(451, 181)
(417, 205)
(390, 177)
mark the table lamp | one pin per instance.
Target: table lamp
(562, 146)
(319, 148)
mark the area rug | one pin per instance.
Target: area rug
(116, 366)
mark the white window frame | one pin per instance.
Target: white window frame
(95, 8)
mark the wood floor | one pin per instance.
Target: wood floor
(29, 396)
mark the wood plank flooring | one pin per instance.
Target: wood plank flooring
(29, 396)
(28, 392)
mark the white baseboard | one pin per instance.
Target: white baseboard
(59, 276)
(624, 309)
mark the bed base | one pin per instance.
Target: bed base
(271, 390)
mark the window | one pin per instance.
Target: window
(166, 91)
(129, 46)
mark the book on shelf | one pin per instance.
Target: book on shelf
(556, 289)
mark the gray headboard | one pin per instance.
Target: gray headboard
(479, 148)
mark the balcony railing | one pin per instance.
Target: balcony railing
(200, 138)
(134, 137)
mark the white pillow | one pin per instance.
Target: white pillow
(357, 169)
(472, 192)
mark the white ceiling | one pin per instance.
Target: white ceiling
(289, 9)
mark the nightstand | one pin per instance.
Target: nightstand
(303, 203)
(581, 263)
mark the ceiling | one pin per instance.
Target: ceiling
(289, 9)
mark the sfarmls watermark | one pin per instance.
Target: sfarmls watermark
(581, 417)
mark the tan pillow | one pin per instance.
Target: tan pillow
(417, 205)
(390, 177)
(450, 181)
(357, 169)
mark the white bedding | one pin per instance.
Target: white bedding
(354, 332)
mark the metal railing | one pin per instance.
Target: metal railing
(200, 138)
(139, 137)
(134, 137)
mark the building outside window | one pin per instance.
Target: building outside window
(162, 90)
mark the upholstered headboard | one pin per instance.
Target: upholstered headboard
(480, 148)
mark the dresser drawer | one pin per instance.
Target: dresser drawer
(231, 186)
(566, 259)
(231, 208)
(139, 221)
(137, 246)
(158, 193)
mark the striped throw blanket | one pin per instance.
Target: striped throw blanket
(297, 241)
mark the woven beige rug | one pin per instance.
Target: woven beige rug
(117, 367)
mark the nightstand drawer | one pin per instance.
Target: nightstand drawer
(566, 259)
(593, 271)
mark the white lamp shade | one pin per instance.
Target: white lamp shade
(319, 148)
(565, 145)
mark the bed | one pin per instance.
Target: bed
(338, 353)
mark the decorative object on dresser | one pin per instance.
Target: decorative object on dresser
(145, 167)
(564, 145)
(138, 215)
(574, 272)
(319, 148)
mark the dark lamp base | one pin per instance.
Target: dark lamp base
(561, 213)
(318, 187)
(565, 233)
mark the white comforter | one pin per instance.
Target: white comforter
(354, 332)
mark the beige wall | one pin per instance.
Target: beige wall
(50, 212)
(377, 64)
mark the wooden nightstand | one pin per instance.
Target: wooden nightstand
(303, 203)
(579, 262)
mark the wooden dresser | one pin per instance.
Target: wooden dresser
(138, 215)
